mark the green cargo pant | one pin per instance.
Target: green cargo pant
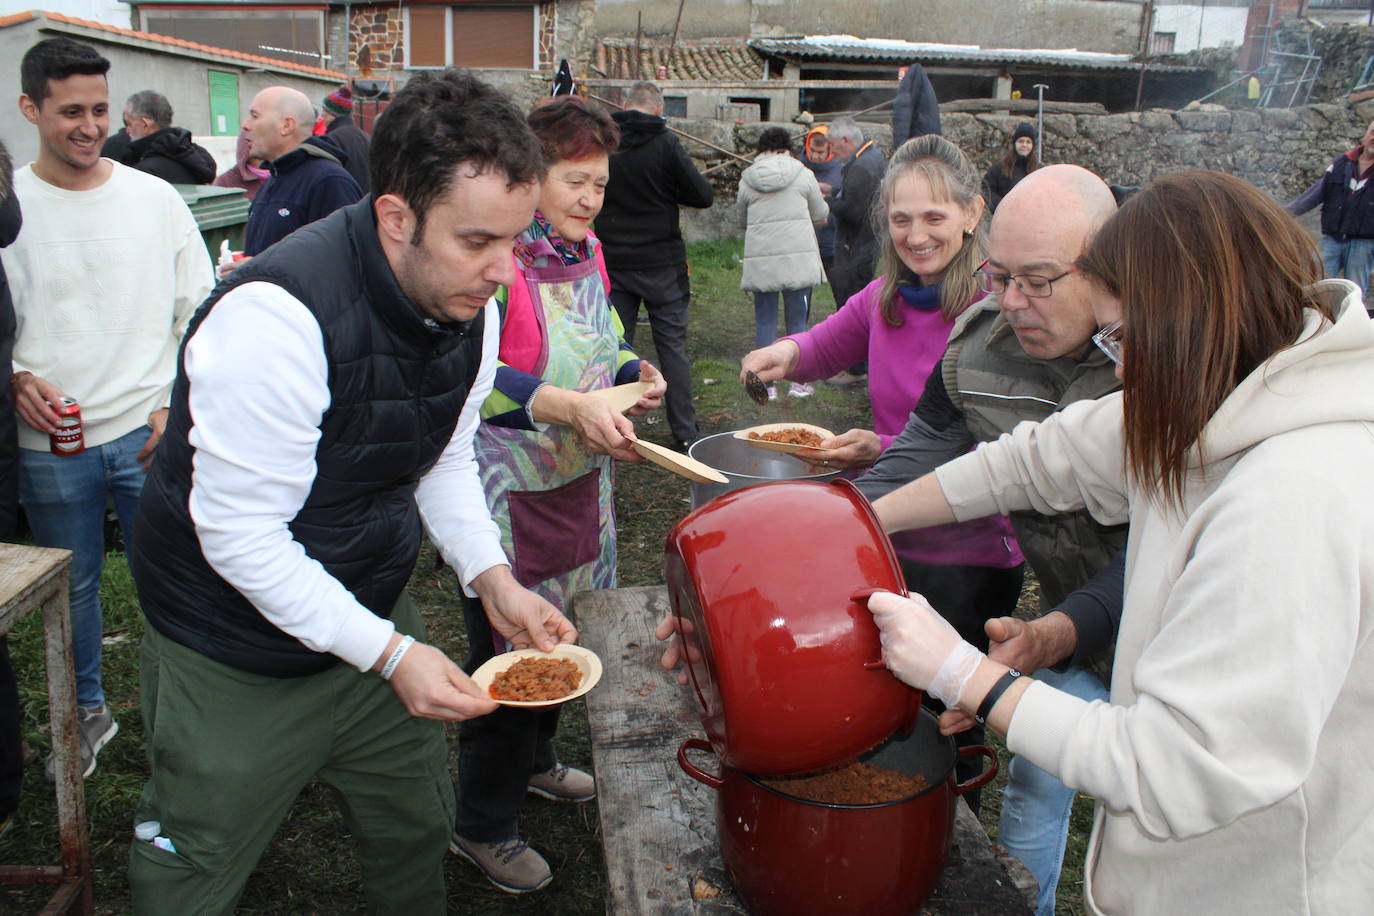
(230, 751)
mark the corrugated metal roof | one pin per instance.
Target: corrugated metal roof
(727, 59)
(267, 63)
(850, 48)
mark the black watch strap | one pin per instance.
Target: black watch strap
(995, 694)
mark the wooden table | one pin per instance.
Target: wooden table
(658, 824)
(33, 578)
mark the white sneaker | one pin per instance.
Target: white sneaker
(800, 390)
(772, 392)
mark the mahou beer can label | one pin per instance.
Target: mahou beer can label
(69, 439)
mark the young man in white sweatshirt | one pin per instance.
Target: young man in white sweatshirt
(105, 275)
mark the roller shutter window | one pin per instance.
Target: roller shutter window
(426, 36)
(493, 37)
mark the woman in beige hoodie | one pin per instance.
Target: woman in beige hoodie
(1232, 764)
(781, 202)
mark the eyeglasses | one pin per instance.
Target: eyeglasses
(1032, 286)
(1109, 341)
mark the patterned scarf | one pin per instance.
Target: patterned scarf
(528, 248)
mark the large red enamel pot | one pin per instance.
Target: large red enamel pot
(768, 585)
(788, 856)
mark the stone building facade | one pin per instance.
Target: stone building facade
(369, 41)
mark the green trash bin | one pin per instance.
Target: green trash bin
(221, 214)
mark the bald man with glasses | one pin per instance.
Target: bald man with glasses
(1023, 353)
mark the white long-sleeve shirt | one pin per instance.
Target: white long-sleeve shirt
(104, 282)
(258, 392)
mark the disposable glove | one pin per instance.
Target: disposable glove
(921, 648)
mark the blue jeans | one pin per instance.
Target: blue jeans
(64, 498)
(1352, 259)
(1034, 821)
(796, 308)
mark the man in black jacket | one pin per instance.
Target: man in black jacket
(1347, 201)
(308, 181)
(321, 424)
(348, 135)
(651, 176)
(160, 149)
(856, 247)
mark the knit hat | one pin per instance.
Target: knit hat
(340, 101)
(1024, 129)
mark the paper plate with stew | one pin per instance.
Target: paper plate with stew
(786, 437)
(529, 677)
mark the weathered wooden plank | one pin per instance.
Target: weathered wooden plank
(658, 824)
(24, 573)
(1022, 106)
(34, 578)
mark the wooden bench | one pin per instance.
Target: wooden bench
(33, 578)
(658, 824)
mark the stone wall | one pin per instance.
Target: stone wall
(382, 30)
(1280, 150)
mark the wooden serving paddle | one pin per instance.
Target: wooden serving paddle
(678, 463)
(622, 397)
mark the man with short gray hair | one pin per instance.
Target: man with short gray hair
(308, 179)
(160, 149)
(856, 247)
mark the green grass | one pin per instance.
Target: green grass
(310, 867)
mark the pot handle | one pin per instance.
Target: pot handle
(700, 775)
(982, 778)
(861, 596)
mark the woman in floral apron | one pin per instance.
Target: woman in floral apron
(544, 450)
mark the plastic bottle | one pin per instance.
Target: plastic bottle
(226, 257)
(148, 832)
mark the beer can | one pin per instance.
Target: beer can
(69, 439)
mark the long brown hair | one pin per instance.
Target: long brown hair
(1213, 278)
(1033, 162)
(953, 179)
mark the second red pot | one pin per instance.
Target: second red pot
(789, 856)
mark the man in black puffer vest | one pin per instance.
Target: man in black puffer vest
(324, 408)
(1347, 200)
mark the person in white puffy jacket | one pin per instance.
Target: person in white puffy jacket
(781, 204)
(1230, 763)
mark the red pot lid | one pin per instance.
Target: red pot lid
(785, 662)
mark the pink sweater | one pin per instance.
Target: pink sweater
(899, 361)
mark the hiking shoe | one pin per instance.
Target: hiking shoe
(800, 390)
(564, 784)
(97, 726)
(509, 864)
(846, 379)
